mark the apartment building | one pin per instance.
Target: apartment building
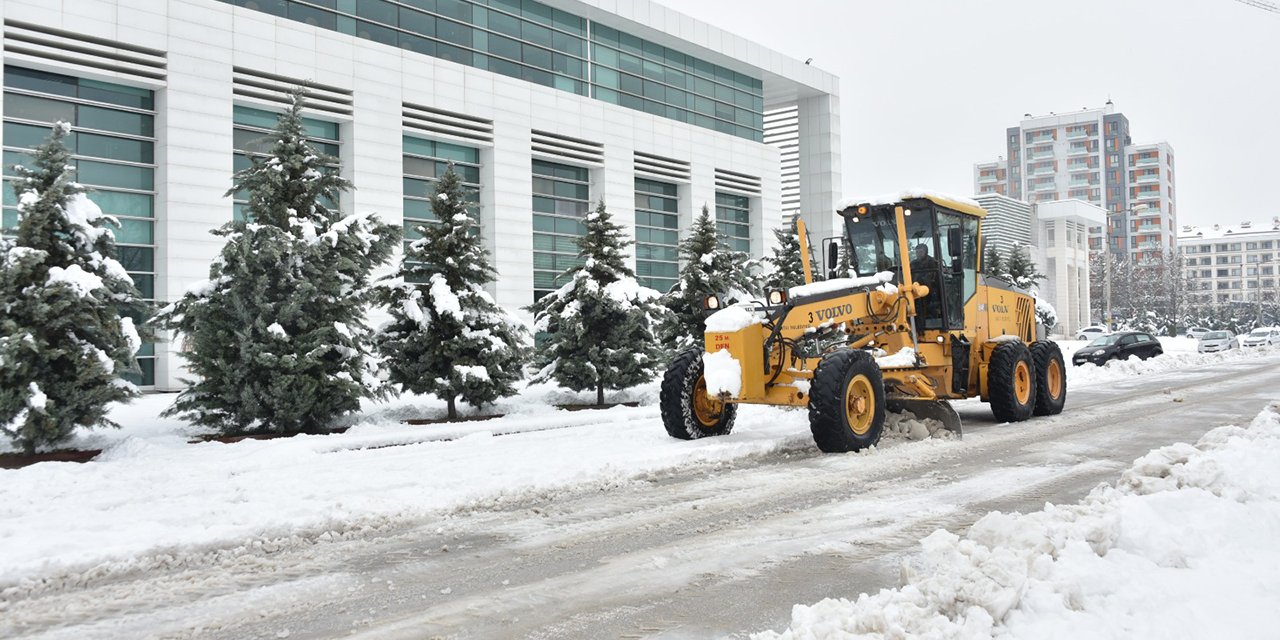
(544, 107)
(1232, 264)
(1089, 155)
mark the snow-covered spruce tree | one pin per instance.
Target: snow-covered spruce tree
(709, 266)
(786, 268)
(276, 337)
(601, 326)
(64, 333)
(1022, 269)
(447, 337)
(992, 263)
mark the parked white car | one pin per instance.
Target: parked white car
(1196, 332)
(1262, 336)
(1214, 341)
(1089, 333)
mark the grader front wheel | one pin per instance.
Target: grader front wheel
(687, 411)
(846, 402)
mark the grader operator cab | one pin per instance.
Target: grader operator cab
(919, 326)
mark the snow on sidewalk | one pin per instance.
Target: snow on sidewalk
(157, 501)
(1183, 546)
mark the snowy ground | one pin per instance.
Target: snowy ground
(154, 501)
(1182, 546)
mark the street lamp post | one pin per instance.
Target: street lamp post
(1261, 262)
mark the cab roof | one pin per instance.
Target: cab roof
(955, 203)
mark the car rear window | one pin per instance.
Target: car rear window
(1217, 335)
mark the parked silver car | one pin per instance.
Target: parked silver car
(1196, 332)
(1217, 341)
(1262, 336)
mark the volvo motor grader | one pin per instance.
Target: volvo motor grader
(919, 327)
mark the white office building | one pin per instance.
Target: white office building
(1062, 230)
(544, 107)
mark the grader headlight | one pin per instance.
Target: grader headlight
(777, 297)
(711, 302)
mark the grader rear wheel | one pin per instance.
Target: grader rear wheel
(846, 402)
(688, 413)
(1051, 378)
(1011, 382)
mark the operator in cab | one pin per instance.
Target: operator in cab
(924, 269)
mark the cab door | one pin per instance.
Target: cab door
(958, 263)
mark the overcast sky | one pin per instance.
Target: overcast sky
(929, 86)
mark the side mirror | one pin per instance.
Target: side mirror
(833, 257)
(954, 238)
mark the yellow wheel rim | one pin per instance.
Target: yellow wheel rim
(860, 404)
(1022, 382)
(705, 408)
(1055, 379)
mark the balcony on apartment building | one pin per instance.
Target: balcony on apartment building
(1049, 185)
(1039, 154)
(1042, 170)
(1080, 134)
(1143, 161)
(1146, 178)
(1077, 149)
(1040, 138)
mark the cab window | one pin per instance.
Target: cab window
(958, 254)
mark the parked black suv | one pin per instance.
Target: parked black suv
(1118, 346)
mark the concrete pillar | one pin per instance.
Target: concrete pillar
(820, 174)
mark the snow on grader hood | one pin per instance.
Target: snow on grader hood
(924, 329)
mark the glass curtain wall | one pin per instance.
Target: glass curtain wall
(522, 39)
(733, 219)
(536, 43)
(648, 77)
(561, 199)
(113, 145)
(657, 234)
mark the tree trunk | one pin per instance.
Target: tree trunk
(453, 408)
(600, 394)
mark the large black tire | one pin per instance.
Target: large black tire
(1011, 382)
(680, 405)
(1051, 378)
(846, 402)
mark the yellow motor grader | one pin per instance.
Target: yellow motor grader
(919, 327)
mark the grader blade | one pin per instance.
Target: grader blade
(939, 410)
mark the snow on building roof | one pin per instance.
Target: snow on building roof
(1217, 231)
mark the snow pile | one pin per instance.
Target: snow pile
(723, 373)
(734, 318)
(907, 425)
(1122, 563)
(840, 284)
(904, 358)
